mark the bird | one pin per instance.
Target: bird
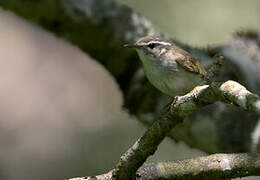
(168, 67)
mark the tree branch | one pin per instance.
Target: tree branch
(229, 92)
(215, 167)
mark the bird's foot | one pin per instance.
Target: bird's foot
(167, 107)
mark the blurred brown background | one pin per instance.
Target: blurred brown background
(60, 110)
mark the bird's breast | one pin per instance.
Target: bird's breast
(167, 76)
(170, 81)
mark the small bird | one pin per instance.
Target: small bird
(169, 68)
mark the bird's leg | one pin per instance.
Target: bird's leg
(167, 107)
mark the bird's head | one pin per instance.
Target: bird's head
(151, 48)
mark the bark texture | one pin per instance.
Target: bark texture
(216, 166)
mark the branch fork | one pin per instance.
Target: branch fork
(131, 164)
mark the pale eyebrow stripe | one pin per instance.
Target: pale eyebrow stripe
(158, 42)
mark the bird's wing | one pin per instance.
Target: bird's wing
(186, 61)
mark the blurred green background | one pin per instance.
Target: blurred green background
(200, 22)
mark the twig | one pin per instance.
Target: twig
(215, 68)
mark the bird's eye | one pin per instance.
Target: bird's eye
(151, 45)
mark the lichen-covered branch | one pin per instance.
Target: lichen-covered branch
(229, 92)
(215, 167)
(145, 146)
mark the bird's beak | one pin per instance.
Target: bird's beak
(135, 46)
